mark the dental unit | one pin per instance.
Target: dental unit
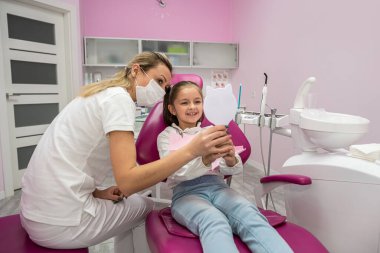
(341, 206)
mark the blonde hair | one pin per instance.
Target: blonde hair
(146, 61)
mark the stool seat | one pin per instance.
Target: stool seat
(164, 238)
(14, 239)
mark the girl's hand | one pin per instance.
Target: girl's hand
(112, 193)
(212, 141)
(230, 158)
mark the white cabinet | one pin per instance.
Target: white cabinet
(215, 55)
(117, 52)
(177, 51)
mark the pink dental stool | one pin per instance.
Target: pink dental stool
(14, 239)
(165, 235)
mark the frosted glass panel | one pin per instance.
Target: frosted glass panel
(110, 51)
(35, 114)
(23, 156)
(30, 29)
(33, 72)
(177, 51)
(215, 55)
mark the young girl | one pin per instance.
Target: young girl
(202, 201)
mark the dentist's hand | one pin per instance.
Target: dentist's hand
(112, 193)
(211, 141)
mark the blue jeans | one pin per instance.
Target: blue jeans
(211, 209)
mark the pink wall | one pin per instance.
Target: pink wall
(180, 20)
(338, 42)
(289, 40)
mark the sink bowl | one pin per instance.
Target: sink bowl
(332, 130)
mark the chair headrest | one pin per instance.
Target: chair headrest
(176, 78)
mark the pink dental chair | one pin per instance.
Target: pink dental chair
(165, 235)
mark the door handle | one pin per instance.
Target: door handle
(10, 95)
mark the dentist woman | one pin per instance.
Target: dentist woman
(61, 206)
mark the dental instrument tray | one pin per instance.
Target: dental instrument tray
(253, 118)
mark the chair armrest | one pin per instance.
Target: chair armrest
(269, 183)
(287, 178)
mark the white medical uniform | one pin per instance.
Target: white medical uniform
(70, 161)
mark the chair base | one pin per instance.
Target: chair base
(14, 239)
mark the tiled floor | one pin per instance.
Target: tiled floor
(242, 183)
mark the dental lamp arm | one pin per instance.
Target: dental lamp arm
(269, 183)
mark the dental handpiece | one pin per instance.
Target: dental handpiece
(264, 96)
(263, 100)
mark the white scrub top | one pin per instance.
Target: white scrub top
(73, 157)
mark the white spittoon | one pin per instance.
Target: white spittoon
(342, 206)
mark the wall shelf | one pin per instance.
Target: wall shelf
(103, 55)
(111, 52)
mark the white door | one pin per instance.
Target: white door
(34, 76)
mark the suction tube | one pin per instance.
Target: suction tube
(300, 101)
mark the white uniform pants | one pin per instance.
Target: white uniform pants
(111, 220)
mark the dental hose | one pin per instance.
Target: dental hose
(261, 125)
(266, 169)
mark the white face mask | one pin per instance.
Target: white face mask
(150, 94)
